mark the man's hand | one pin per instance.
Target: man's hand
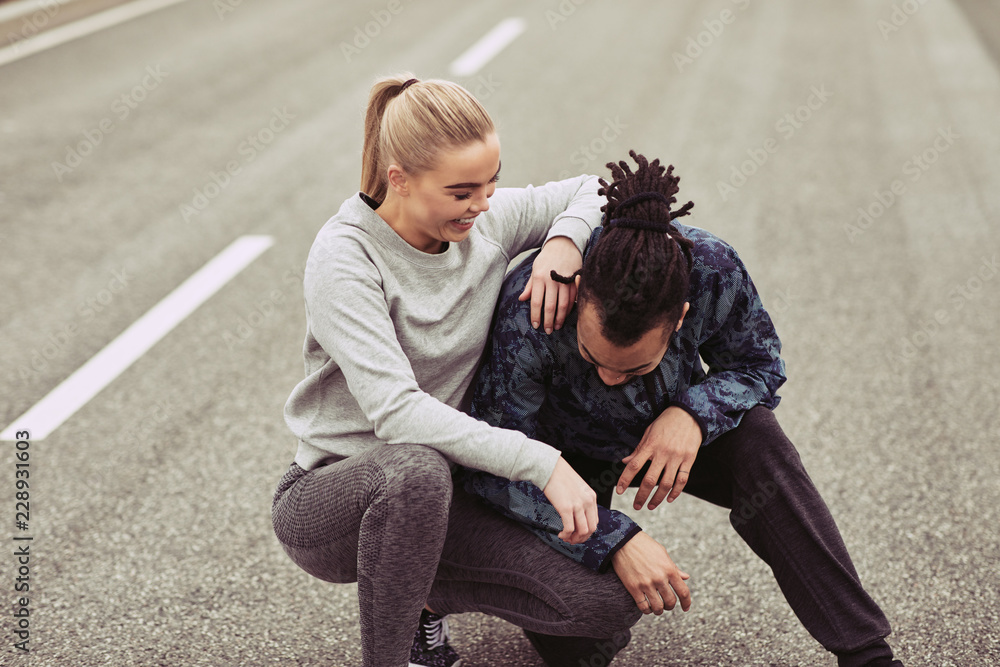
(575, 501)
(671, 443)
(561, 255)
(650, 575)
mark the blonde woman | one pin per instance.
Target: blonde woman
(400, 287)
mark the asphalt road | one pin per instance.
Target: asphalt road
(150, 505)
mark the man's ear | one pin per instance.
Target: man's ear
(398, 180)
(683, 313)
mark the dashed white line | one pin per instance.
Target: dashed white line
(106, 19)
(11, 11)
(75, 391)
(488, 47)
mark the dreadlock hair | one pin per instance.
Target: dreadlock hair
(638, 273)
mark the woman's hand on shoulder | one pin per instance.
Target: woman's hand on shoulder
(551, 299)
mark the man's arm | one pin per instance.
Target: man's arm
(735, 336)
(741, 349)
(525, 503)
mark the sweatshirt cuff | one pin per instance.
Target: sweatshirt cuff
(575, 229)
(535, 463)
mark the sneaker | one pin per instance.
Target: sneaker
(430, 645)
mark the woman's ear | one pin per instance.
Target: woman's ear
(398, 180)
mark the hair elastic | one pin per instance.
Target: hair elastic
(563, 279)
(407, 84)
(637, 223)
(641, 197)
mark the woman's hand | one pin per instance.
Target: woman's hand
(650, 575)
(548, 296)
(575, 501)
(671, 444)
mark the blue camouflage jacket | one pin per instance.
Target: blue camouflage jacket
(540, 385)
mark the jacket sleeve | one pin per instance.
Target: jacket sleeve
(510, 391)
(525, 503)
(740, 347)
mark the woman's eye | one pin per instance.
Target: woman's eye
(462, 197)
(495, 179)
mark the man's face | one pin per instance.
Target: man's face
(617, 365)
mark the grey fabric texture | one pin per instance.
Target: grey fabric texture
(387, 519)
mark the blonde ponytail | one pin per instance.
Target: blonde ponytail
(409, 122)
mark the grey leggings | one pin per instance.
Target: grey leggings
(391, 520)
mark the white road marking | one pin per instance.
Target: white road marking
(75, 391)
(488, 47)
(18, 8)
(85, 26)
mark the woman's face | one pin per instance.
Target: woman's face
(441, 205)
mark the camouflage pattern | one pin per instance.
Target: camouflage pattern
(540, 385)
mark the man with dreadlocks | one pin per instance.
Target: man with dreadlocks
(621, 391)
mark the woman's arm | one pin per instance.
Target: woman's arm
(565, 212)
(349, 318)
(530, 216)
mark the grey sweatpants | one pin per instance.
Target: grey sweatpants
(391, 520)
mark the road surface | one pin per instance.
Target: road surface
(849, 151)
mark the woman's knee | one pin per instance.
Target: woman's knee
(606, 606)
(410, 487)
(415, 472)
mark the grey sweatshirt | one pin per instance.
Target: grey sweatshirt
(394, 335)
